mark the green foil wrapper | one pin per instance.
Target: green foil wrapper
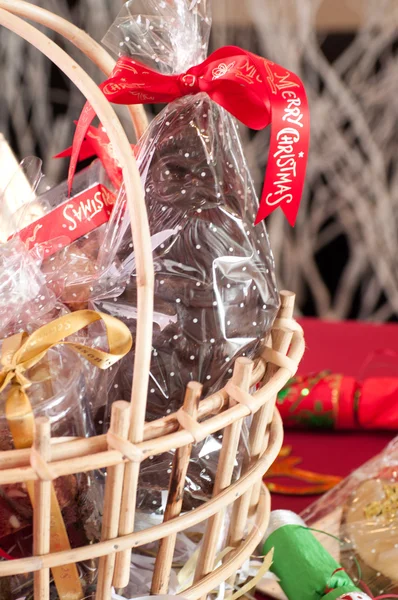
(305, 569)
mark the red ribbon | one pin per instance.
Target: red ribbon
(5, 555)
(70, 220)
(253, 89)
(97, 143)
(368, 591)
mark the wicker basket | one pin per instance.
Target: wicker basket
(130, 440)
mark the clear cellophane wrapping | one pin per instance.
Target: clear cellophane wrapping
(359, 518)
(215, 291)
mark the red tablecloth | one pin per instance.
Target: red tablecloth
(342, 347)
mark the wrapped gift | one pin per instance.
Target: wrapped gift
(25, 298)
(359, 518)
(41, 375)
(58, 390)
(334, 401)
(71, 233)
(303, 566)
(215, 293)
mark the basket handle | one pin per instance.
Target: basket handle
(135, 201)
(84, 42)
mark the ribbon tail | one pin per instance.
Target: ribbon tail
(84, 122)
(5, 555)
(291, 210)
(86, 151)
(288, 201)
(289, 207)
(20, 418)
(264, 209)
(64, 154)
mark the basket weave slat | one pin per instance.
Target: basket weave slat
(218, 412)
(112, 500)
(42, 514)
(231, 436)
(258, 438)
(165, 554)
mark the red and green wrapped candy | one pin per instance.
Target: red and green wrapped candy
(333, 401)
(305, 570)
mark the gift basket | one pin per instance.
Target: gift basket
(165, 285)
(359, 521)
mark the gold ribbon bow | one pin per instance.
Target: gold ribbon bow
(20, 353)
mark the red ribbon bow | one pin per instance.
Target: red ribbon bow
(253, 89)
